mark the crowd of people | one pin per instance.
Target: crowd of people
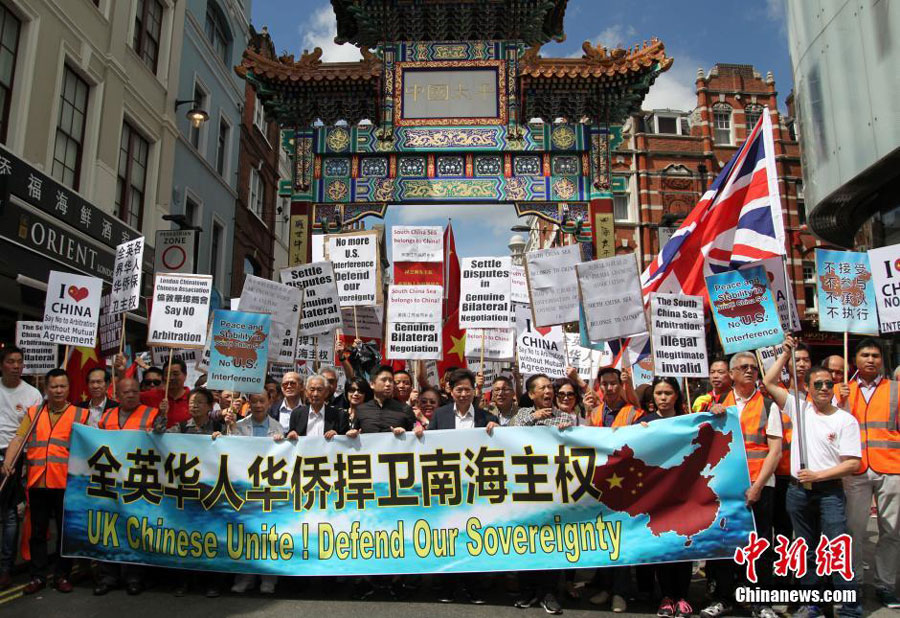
(821, 480)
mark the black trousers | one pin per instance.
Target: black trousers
(44, 503)
(540, 582)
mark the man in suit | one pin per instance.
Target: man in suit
(292, 400)
(461, 414)
(316, 418)
(99, 403)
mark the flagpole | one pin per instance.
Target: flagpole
(846, 356)
(801, 425)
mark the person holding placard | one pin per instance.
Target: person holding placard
(815, 498)
(873, 400)
(614, 411)
(47, 466)
(173, 404)
(16, 396)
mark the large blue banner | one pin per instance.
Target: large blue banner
(453, 501)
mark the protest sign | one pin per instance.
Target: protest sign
(744, 310)
(679, 335)
(552, 285)
(321, 303)
(415, 303)
(782, 291)
(413, 341)
(322, 528)
(767, 357)
(642, 372)
(175, 251)
(418, 273)
(518, 285)
(126, 283)
(499, 343)
(180, 310)
(540, 348)
(417, 243)
(354, 257)
(72, 309)
(846, 293)
(585, 360)
(885, 263)
(364, 323)
(234, 303)
(39, 356)
(610, 290)
(280, 301)
(193, 360)
(484, 299)
(316, 348)
(237, 359)
(110, 330)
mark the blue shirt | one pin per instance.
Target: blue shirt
(260, 430)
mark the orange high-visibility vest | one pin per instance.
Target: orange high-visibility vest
(754, 418)
(141, 419)
(877, 427)
(48, 447)
(628, 415)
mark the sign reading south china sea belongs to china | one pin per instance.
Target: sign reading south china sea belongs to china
(72, 309)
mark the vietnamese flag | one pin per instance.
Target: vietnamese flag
(454, 344)
(82, 360)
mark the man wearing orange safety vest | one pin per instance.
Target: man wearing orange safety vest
(873, 400)
(47, 465)
(762, 442)
(615, 410)
(129, 415)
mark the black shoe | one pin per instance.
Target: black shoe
(527, 599)
(101, 589)
(132, 588)
(212, 593)
(473, 597)
(181, 590)
(445, 595)
(550, 604)
(362, 591)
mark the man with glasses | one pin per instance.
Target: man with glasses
(503, 403)
(291, 388)
(153, 378)
(762, 442)
(873, 400)
(831, 443)
(173, 405)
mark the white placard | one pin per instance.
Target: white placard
(316, 348)
(484, 298)
(610, 291)
(180, 310)
(413, 341)
(415, 303)
(411, 243)
(193, 360)
(356, 268)
(368, 320)
(783, 293)
(321, 303)
(40, 356)
(541, 349)
(174, 251)
(585, 360)
(767, 357)
(280, 301)
(552, 286)
(203, 361)
(499, 343)
(885, 264)
(72, 309)
(679, 335)
(518, 285)
(234, 303)
(126, 284)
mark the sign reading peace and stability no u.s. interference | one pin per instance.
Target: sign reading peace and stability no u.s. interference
(453, 501)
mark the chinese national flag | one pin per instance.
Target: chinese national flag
(451, 280)
(82, 360)
(454, 342)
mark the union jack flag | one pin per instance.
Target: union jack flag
(737, 221)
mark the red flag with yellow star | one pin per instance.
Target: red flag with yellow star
(454, 341)
(82, 360)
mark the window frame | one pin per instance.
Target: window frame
(7, 13)
(256, 195)
(722, 110)
(220, 32)
(749, 110)
(124, 195)
(223, 148)
(674, 117)
(216, 262)
(141, 32)
(76, 180)
(627, 199)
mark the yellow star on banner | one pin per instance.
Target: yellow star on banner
(87, 354)
(615, 480)
(459, 346)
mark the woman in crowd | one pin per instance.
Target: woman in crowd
(567, 396)
(402, 386)
(358, 392)
(429, 400)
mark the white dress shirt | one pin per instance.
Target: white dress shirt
(284, 415)
(466, 420)
(868, 388)
(315, 425)
(96, 412)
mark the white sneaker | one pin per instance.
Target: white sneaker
(601, 598)
(618, 604)
(268, 584)
(243, 583)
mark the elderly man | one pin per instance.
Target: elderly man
(835, 365)
(99, 403)
(292, 400)
(318, 418)
(762, 442)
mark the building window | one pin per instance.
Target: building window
(722, 125)
(620, 207)
(667, 124)
(202, 101)
(259, 116)
(9, 46)
(255, 199)
(215, 258)
(191, 208)
(752, 114)
(147, 28)
(222, 147)
(67, 151)
(250, 267)
(217, 31)
(132, 177)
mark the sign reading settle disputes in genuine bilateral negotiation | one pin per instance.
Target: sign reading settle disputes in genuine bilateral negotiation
(453, 501)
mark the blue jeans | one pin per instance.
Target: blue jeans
(9, 522)
(816, 512)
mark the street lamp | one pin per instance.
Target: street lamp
(196, 114)
(182, 222)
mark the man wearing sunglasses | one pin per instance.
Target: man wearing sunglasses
(831, 445)
(153, 378)
(873, 400)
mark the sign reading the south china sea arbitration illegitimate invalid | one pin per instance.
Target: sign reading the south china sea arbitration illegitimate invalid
(679, 336)
(180, 311)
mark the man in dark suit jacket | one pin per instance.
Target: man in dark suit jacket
(98, 403)
(316, 418)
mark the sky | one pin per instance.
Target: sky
(696, 34)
